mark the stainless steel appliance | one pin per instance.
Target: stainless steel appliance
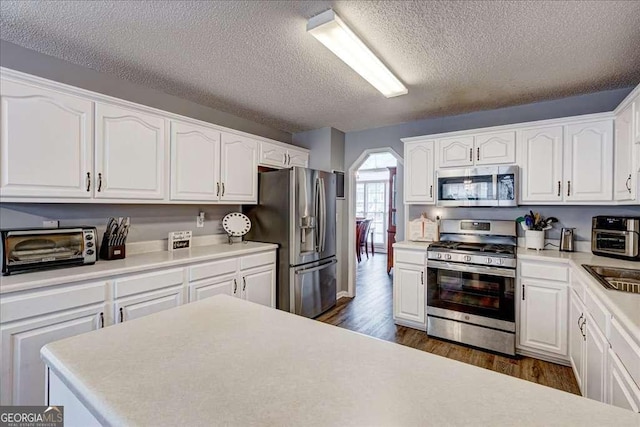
(616, 237)
(297, 210)
(487, 186)
(566, 240)
(471, 277)
(42, 248)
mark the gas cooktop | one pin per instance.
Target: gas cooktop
(473, 247)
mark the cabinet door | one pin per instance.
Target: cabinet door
(455, 152)
(540, 153)
(408, 292)
(46, 143)
(543, 322)
(636, 120)
(596, 349)
(419, 172)
(211, 287)
(130, 154)
(297, 158)
(623, 182)
(588, 161)
(146, 304)
(259, 286)
(239, 169)
(577, 339)
(621, 390)
(195, 162)
(495, 148)
(273, 155)
(23, 372)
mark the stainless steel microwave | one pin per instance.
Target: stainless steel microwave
(485, 186)
(42, 248)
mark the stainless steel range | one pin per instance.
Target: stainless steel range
(471, 277)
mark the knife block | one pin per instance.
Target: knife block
(110, 252)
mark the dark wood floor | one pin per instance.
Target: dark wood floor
(370, 313)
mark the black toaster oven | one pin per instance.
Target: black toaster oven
(616, 237)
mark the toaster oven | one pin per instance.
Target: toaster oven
(38, 249)
(616, 237)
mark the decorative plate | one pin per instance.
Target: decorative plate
(236, 224)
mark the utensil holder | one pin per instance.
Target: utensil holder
(534, 239)
(110, 252)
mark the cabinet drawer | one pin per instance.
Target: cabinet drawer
(147, 282)
(546, 271)
(627, 350)
(410, 257)
(600, 314)
(212, 269)
(251, 261)
(42, 302)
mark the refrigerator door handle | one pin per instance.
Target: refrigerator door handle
(320, 267)
(323, 194)
(317, 209)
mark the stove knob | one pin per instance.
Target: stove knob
(439, 256)
(467, 258)
(489, 260)
(447, 256)
(499, 261)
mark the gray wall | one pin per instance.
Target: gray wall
(148, 222)
(578, 217)
(45, 66)
(389, 136)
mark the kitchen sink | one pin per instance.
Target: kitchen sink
(618, 279)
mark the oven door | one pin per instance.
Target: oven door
(472, 289)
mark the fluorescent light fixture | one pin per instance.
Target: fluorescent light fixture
(332, 32)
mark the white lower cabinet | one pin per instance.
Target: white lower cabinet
(543, 316)
(258, 285)
(596, 349)
(621, 391)
(408, 293)
(576, 339)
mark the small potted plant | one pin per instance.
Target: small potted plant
(534, 226)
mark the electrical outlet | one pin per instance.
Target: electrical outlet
(200, 220)
(50, 224)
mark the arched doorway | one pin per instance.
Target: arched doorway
(357, 164)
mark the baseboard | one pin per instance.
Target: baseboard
(542, 356)
(342, 294)
(410, 324)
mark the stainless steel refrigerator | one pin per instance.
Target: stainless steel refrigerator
(297, 210)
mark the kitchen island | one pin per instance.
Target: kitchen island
(223, 361)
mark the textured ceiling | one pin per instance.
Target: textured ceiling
(255, 59)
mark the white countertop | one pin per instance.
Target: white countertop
(131, 264)
(224, 361)
(623, 305)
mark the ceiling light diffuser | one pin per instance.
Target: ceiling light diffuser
(332, 32)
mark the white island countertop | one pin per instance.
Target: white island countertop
(131, 264)
(224, 361)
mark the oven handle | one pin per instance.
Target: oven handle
(493, 271)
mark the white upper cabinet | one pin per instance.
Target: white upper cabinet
(195, 162)
(238, 169)
(495, 148)
(46, 143)
(419, 172)
(540, 152)
(280, 156)
(623, 178)
(130, 154)
(588, 161)
(455, 152)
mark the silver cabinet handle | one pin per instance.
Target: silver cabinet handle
(478, 156)
(626, 184)
(121, 315)
(431, 191)
(559, 185)
(244, 284)
(568, 188)
(101, 319)
(235, 286)
(99, 182)
(89, 181)
(471, 154)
